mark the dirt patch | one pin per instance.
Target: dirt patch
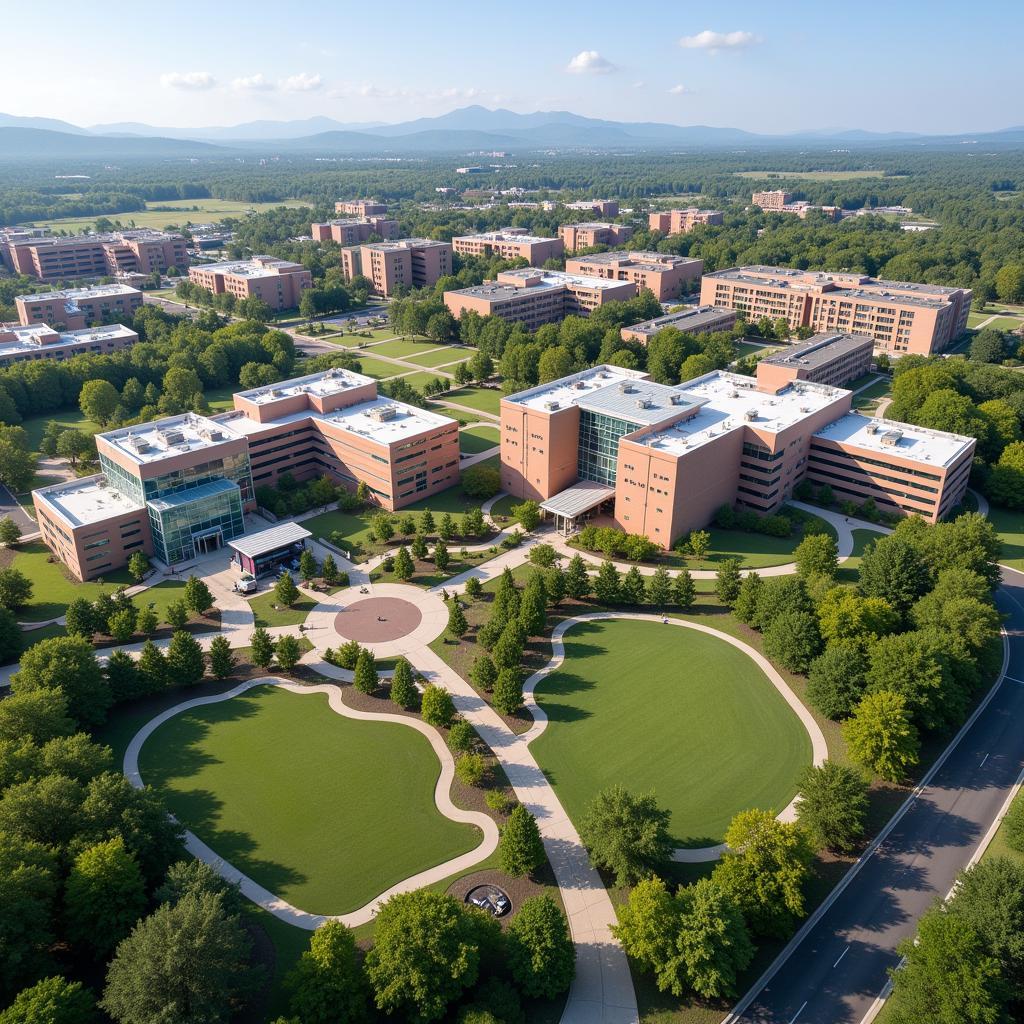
(377, 619)
(518, 890)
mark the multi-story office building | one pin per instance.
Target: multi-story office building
(834, 359)
(73, 308)
(509, 244)
(360, 207)
(60, 259)
(278, 283)
(692, 320)
(353, 230)
(179, 487)
(534, 297)
(775, 199)
(599, 207)
(585, 236)
(19, 344)
(900, 316)
(662, 459)
(407, 262)
(678, 222)
(801, 209)
(663, 273)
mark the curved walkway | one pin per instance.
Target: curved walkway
(819, 748)
(268, 900)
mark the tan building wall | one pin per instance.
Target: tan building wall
(586, 236)
(664, 275)
(539, 450)
(115, 305)
(278, 283)
(360, 207)
(509, 246)
(678, 222)
(354, 231)
(416, 263)
(771, 200)
(56, 259)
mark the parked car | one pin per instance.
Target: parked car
(246, 585)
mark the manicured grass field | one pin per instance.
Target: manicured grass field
(67, 419)
(172, 211)
(477, 439)
(440, 357)
(850, 569)
(748, 348)
(754, 550)
(485, 399)
(377, 367)
(52, 588)
(267, 615)
(812, 175)
(400, 348)
(1001, 323)
(221, 399)
(419, 380)
(654, 707)
(354, 819)
(870, 395)
(1010, 527)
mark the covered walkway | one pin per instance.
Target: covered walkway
(569, 505)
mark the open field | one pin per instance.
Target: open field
(693, 719)
(401, 348)
(1000, 323)
(1010, 527)
(450, 354)
(485, 399)
(269, 612)
(478, 439)
(419, 380)
(811, 175)
(870, 396)
(171, 211)
(227, 771)
(377, 367)
(68, 419)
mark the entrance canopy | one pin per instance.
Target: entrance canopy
(568, 505)
(258, 552)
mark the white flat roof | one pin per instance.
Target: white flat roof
(579, 498)
(328, 382)
(30, 339)
(729, 399)
(557, 278)
(259, 543)
(162, 439)
(95, 292)
(568, 391)
(85, 501)
(503, 236)
(258, 266)
(877, 435)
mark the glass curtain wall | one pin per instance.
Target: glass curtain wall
(177, 518)
(599, 445)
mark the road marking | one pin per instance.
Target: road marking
(983, 760)
(797, 1014)
(1012, 680)
(841, 955)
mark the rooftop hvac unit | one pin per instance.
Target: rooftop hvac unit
(677, 399)
(750, 415)
(805, 408)
(551, 406)
(891, 438)
(626, 388)
(734, 394)
(384, 413)
(643, 403)
(872, 428)
(580, 385)
(172, 437)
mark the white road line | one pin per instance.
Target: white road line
(797, 1014)
(1012, 680)
(841, 955)
(983, 760)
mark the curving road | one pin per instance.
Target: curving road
(835, 967)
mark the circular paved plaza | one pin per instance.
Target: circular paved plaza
(377, 620)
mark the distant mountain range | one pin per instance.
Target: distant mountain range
(462, 131)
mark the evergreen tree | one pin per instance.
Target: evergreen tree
(745, 605)
(437, 707)
(533, 612)
(446, 527)
(577, 582)
(728, 581)
(685, 591)
(631, 590)
(148, 621)
(222, 661)
(554, 584)
(483, 673)
(606, 586)
(261, 648)
(659, 587)
(508, 690)
(520, 849)
(419, 547)
(197, 595)
(457, 624)
(307, 565)
(177, 614)
(508, 651)
(427, 526)
(441, 556)
(285, 590)
(404, 568)
(185, 664)
(153, 667)
(287, 652)
(366, 679)
(80, 619)
(138, 566)
(403, 690)
(329, 570)
(123, 677)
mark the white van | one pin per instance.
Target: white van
(246, 585)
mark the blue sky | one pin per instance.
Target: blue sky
(905, 64)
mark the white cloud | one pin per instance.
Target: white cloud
(590, 62)
(302, 82)
(194, 80)
(253, 83)
(679, 90)
(367, 90)
(639, 85)
(715, 42)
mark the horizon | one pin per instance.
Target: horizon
(743, 69)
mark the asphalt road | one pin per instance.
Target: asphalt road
(836, 971)
(9, 507)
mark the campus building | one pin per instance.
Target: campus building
(278, 283)
(533, 297)
(509, 244)
(661, 460)
(900, 316)
(586, 236)
(600, 207)
(179, 487)
(74, 308)
(664, 274)
(407, 262)
(834, 359)
(353, 230)
(360, 207)
(59, 259)
(678, 222)
(774, 199)
(692, 320)
(19, 344)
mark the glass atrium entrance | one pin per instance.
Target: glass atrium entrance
(195, 521)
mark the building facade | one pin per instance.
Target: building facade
(586, 236)
(664, 459)
(62, 259)
(407, 262)
(278, 283)
(533, 297)
(774, 199)
(834, 359)
(666, 275)
(179, 487)
(692, 320)
(19, 344)
(353, 230)
(509, 244)
(360, 207)
(900, 316)
(600, 207)
(678, 222)
(75, 308)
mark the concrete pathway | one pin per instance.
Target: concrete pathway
(819, 748)
(275, 904)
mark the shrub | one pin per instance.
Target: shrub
(499, 801)
(481, 482)
(471, 769)
(437, 706)
(462, 736)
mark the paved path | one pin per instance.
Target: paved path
(273, 903)
(819, 748)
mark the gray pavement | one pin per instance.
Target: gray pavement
(836, 966)
(9, 507)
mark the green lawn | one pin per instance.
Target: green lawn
(871, 395)
(267, 615)
(473, 440)
(400, 348)
(221, 399)
(440, 357)
(52, 588)
(1001, 323)
(357, 818)
(849, 571)
(754, 550)
(503, 507)
(753, 348)
(420, 380)
(1010, 527)
(67, 418)
(999, 846)
(485, 399)
(672, 710)
(812, 175)
(377, 367)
